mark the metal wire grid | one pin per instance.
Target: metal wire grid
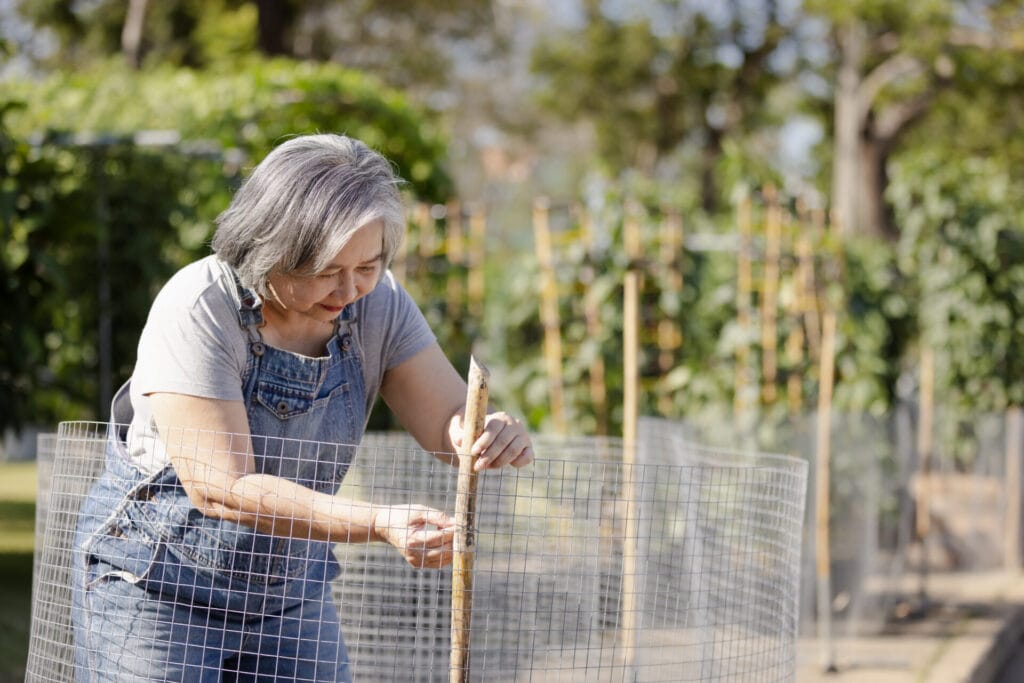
(716, 537)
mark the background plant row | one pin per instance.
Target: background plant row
(96, 216)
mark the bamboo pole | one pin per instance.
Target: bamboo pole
(822, 499)
(630, 416)
(455, 249)
(549, 315)
(427, 241)
(795, 345)
(477, 255)
(744, 286)
(670, 337)
(925, 422)
(592, 321)
(769, 296)
(400, 263)
(805, 334)
(1014, 441)
(465, 530)
(812, 316)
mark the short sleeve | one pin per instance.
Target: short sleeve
(192, 342)
(392, 330)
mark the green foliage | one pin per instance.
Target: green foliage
(28, 185)
(89, 232)
(89, 207)
(876, 327)
(962, 246)
(250, 108)
(693, 290)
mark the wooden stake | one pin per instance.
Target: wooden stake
(812, 324)
(549, 315)
(744, 286)
(805, 316)
(630, 413)
(594, 326)
(925, 420)
(1014, 440)
(821, 488)
(428, 241)
(475, 279)
(769, 297)
(455, 250)
(670, 336)
(632, 286)
(465, 533)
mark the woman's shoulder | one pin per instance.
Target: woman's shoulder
(387, 296)
(198, 284)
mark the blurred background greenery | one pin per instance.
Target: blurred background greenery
(124, 128)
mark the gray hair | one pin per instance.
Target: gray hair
(303, 203)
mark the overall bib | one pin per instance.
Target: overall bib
(161, 592)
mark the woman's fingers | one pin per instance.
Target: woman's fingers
(430, 549)
(424, 536)
(503, 442)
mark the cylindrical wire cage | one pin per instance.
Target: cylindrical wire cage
(713, 539)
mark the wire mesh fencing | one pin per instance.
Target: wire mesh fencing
(683, 566)
(879, 562)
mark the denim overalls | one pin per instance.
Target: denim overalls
(161, 592)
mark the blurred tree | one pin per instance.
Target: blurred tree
(407, 44)
(80, 33)
(892, 65)
(412, 46)
(668, 77)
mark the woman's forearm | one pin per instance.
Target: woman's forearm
(277, 506)
(280, 507)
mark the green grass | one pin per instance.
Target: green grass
(17, 534)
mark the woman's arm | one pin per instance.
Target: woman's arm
(214, 462)
(428, 397)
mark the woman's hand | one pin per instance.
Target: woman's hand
(504, 441)
(424, 536)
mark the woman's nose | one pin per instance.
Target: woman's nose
(346, 287)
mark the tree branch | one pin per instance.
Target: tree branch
(893, 120)
(891, 70)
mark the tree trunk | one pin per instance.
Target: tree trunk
(872, 216)
(275, 18)
(846, 161)
(132, 31)
(709, 159)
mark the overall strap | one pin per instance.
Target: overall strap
(248, 306)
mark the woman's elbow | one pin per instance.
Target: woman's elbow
(210, 505)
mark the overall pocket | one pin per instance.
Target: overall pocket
(239, 552)
(124, 548)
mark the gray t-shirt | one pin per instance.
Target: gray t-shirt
(193, 344)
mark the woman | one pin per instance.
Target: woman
(203, 552)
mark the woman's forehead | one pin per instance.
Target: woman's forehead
(365, 244)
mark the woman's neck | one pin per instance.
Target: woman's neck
(296, 332)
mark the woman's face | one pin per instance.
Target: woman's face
(350, 276)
